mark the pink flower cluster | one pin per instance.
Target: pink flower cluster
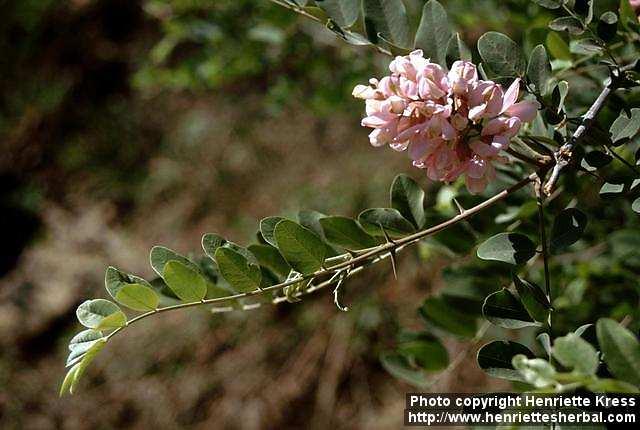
(452, 123)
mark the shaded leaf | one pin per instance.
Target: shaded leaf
(621, 350)
(188, 284)
(100, 314)
(375, 219)
(510, 248)
(595, 160)
(425, 350)
(343, 12)
(267, 227)
(457, 50)
(567, 23)
(539, 69)
(407, 197)
(496, 358)
(607, 26)
(303, 249)
(441, 314)
(504, 309)
(269, 257)
(237, 270)
(388, 19)
(433, 32)
(399, 367)
(533, 298)
(501, 54)
(568, 227)
(346, 233)
(558, 47)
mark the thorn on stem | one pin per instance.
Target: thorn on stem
(459, 206)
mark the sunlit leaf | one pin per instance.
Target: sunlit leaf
(575, 353)
(160, 256)
(501, 54)
(186, 283)
(625, 127)
(567, 23)
(100, 314)
(512, 248)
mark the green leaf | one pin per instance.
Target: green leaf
(423, 349)
(237, 270)
(627, 14)
(550, 4)
(621, 350)
(81, 343)
(575, 353)
(504, 309)
(350, 37)
(608, 189)
(303, 249)
(74, 374)
(635, 206)
(186, 283)
(441, 314)
(496, 358)
(457, 50)
(501, 54)
(399, 367)
(533, 298)
(539, 69)
(559, 95)
(375, 219)
(343, 12)
(346, 233)
(512, 248)
(568, 228)
(535, 371)
(138, 297)
(100, 314)
(611, 386)
(269, 257)
(584, 8)
(211, 242)
(130, 290)
(586, 46)
(388, 19)
(625, 127)
(567, 23)
(407, 197)
(433, 32)
(558, 47)
(160, 256)
(608, 26)
(267, 227)
(594, 160)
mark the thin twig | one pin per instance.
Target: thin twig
(301, 11)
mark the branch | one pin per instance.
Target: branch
(299, 10)
(564, 154)
(351, 266)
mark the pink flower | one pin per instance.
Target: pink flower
(452, 123)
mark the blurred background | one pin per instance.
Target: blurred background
(129, 123)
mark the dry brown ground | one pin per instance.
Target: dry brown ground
(304, 365)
